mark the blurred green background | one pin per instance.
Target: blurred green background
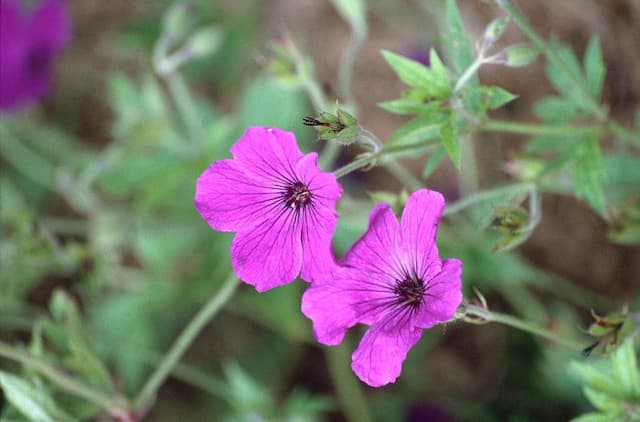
(104, 258)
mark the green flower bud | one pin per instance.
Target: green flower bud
(178, 19)
(204, 41)
(520, 55)
(341, 127)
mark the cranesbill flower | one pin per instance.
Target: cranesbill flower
(29, 43)
(279, 202)
(393, 280)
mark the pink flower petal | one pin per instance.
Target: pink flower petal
(270, 154)
(443, 295)
(328, 307)
(419, 226)
(378, 359)
(229, 200)
(50, 24)
(378, 250)
(318, 218)
(269, 254)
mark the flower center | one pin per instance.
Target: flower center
(38, 61)
(410, 291)
(296, 195)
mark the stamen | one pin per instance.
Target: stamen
(296, 195)
(410, 291)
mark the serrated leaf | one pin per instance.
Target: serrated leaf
(417, 130)
(597, 380)
(459, 48)
(450, 141)
(626, 368)
(433, 161)
(494, 97)
(594, 67)
(600, 400)
(440, 74)
(567, 78)
(403, 106)
(588, 174)
(555, 110)
(30, 400)
(598, 417)
(416, 75)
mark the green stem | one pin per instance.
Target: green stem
(468, 74)
(486, 195)
(347, 388)
(345, 73)
(481, 314)
(535, 129)
(27, 162)
(551, 55)
(386, 151)
(185, 105)
(185, 339)
(115, 406)
(403, 175)
(598, 111)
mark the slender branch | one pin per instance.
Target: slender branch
(114, 405)
(485, 196)
(534, 129)
(347, 388)
(185, 339)
(345, 73)
(185, 105)
(481, 315)
(26, 161)
(598, 111)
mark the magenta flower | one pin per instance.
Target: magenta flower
(279, 202)
(393, 280)
(29, 44)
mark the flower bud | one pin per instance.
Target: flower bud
(341, 127)
(520, 55)
(494, 31)
(178, 19)
(204, 41)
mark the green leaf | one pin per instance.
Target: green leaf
(588, 174)
(598, 417)
(520, 55)
(433, 161)
(600, 400)
(626, 368)
(459, 48)
(567, 78)
(494, 97)
(594, 67)
(30, 400)
(440, 73)
(450, 140)
(416, 75)
(597, 379)
(555, 109)
(404, 106)
(417, 130)
(81, 356)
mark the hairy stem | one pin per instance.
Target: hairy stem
(535, 129)
(349, 392)
(596, 109)
(185, 339)
(113, 405)
(479, 314)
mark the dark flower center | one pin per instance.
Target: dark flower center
(38, 61)
(410, 291)
(296, 195)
